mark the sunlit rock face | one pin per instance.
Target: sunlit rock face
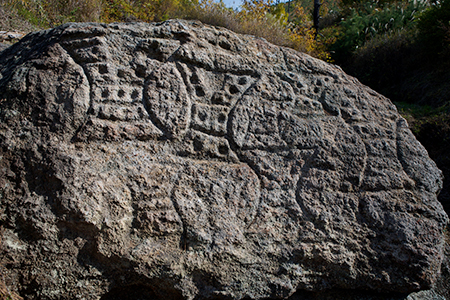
(184, 161)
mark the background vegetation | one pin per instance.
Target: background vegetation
(257, 17)
(401, 48)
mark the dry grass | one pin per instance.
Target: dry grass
(217, 15)
(50, 13)
(10, 21)
(62, 11)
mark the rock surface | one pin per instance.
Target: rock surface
(181, 161)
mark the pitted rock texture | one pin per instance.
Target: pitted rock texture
(183, 161)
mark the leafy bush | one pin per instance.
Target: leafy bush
(434, 27)
(303, 37)
(407, 62)
(371, 19)
(385, 61)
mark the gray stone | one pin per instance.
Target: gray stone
(425, 295)
(183, 161)
(10, 36)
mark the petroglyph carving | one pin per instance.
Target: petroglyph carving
(205, 164)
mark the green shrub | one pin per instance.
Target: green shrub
(434, 28)
(385, 61)
(371, 19)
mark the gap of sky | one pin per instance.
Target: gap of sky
(232, 3)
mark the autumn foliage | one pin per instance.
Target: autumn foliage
(261, 18)
(348, 27)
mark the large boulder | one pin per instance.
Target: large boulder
(179, 161)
